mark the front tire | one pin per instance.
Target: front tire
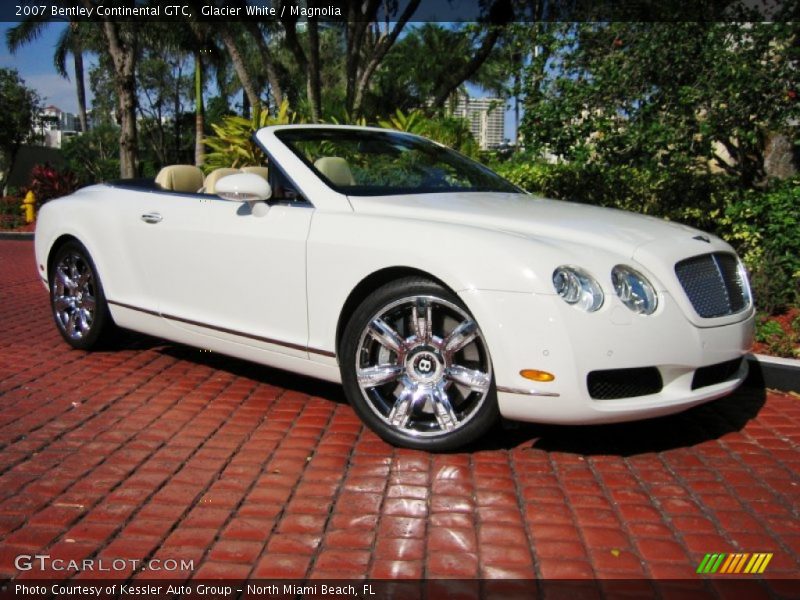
(416, 368)
(76, 297)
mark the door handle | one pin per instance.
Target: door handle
(153, 217)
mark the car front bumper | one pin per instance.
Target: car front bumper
(542, 332)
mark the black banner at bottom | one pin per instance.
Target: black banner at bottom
(375, 589)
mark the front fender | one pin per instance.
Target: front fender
(345, 249)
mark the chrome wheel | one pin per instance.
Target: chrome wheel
(74, 297)
(77, 299)
(422, 366)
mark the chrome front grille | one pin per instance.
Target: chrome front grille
(714, 284)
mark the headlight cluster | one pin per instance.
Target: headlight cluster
(635, 291)
(576, 287)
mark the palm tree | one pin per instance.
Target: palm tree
(198, 41)
(74, 39)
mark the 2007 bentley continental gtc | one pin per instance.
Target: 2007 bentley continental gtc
(440, 295)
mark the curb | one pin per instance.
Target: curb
(16, 235)
(775, 373)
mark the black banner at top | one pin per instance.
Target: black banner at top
(486, 11)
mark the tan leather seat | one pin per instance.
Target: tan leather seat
(335, 169)
(180, 178)
(215, 175)
(261, 171)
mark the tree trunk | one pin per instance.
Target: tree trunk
(360, 13)
(313, 81)
(454, 79)
(381, 49)
(121, 46)
(80, 88)
(176, 124)
(121, 38)
(310, 65)
(12, 160)
(126, 90)
(266, 55)
(241, 69)
(199, 151)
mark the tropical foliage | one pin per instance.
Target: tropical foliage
(47, 183)
(674, 97)
(232, 144)
(676, 119)
(450, 131)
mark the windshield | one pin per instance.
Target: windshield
(375, 163)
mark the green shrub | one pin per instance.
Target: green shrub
(763, 226)
(767, 328)
(94, 156)
(11, 215)
(648, 191)
(778, 341)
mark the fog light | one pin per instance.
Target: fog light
(535, 375)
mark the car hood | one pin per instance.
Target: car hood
(613, 230)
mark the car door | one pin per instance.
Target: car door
(216, 269)
(163, 234)
(252, 281)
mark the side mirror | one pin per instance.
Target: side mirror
(243, 187)
(246, 187)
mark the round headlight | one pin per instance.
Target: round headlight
(577, 287)
(635, 291)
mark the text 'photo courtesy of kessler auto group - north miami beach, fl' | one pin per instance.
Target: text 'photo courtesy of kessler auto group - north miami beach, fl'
(366, 299)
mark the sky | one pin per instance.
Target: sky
(35, 65)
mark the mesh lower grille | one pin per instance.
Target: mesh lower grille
(714, 374)
(624, 383)
(713, 284)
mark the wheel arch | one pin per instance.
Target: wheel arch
(370, 283)
(55, 246)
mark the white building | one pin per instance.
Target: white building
(57, 125)
(487, 119)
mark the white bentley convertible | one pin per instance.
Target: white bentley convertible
(439, 294)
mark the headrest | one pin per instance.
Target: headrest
(180, 178)
(261, 171)
(335, 169)
(215, 175)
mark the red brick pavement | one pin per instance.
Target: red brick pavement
(159, 451)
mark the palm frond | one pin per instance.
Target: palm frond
(24, 33)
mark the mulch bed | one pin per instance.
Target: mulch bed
(785, 321)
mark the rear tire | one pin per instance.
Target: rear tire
(77, 298)
(416, 369)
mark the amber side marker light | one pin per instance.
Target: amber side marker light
(535, 375)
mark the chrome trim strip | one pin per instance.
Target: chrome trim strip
(257, 338)
(136, 308)
(525, 392)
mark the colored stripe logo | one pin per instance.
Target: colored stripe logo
(733, 564)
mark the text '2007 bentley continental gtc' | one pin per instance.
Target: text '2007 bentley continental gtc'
(440, 295)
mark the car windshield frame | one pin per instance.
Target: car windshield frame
(439, 157)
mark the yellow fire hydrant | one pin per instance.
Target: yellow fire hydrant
(27, 205)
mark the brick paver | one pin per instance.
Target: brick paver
(155, 450)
